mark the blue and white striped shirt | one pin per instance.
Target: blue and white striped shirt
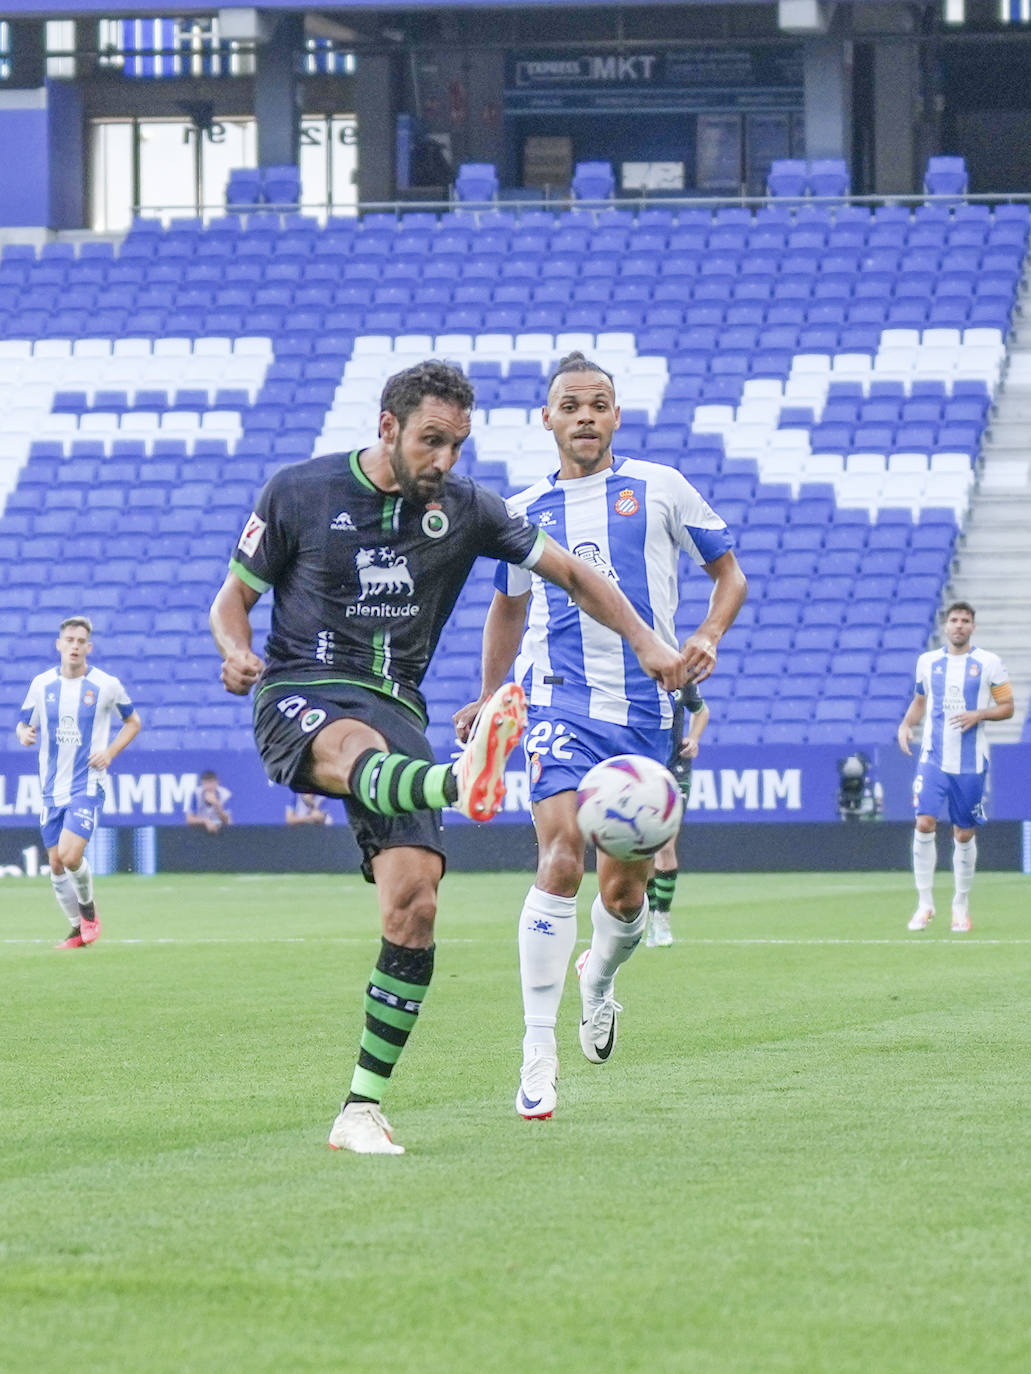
(630, 522)
(953, 683)
(74, 717)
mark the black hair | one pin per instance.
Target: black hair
(960, 606)
(577, 362)
(83, 621)
(405, 391)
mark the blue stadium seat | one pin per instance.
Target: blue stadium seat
(787, 178)
(946, 176)
(476, 181)
(828, 177)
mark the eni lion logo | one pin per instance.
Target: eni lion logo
(381, 572)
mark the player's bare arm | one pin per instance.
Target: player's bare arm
(27, 734)
(231, 630)
(604, 602)
(103, 758)
(1001, 709)
(690, 743)
(730, 587)
(913, 717)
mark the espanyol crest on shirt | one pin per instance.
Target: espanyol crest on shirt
(626, 503)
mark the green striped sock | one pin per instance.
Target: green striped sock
(650, 893)
(665, 881)
(393, 1000)
(397, 784)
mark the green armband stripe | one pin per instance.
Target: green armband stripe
(535, 553)
(245, 575)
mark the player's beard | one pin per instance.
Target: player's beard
(417, 490)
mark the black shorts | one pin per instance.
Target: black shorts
(288, 716)
(681, 770)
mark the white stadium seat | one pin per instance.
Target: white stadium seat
(456, 346)
(534, 346)
(173, 347)
(572, 342)
(823, 467)
(212, 346)
(91, 348)
(52, 348)
(495, 346)
(866, 464)
(907, 462)
(253, 345)
(131, 348)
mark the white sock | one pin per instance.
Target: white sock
(547, 938)
(925, 859)
(964, 861)
(82, 881)
(612, 944)
(64, 891)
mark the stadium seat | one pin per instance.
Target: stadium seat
(787, 178)
(827, 177)
(946, 176)
(476, 181)
(593, 181)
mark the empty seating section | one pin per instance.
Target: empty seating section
(822, 372)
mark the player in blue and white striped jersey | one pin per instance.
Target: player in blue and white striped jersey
(587, 698)
(68, 711)
(958, 688)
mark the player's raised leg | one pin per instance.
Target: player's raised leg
(350, 758)
(480, 771)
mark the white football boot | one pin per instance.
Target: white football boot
(538, 1078)
(363, 1128)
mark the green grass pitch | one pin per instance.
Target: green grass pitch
(810, 1152)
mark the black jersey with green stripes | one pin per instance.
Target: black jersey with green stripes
(363, 581)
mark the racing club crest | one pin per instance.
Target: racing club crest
(435, 523)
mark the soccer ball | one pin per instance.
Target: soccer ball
(628, 806)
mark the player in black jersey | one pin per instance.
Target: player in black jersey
(663, 882)
(366, 554)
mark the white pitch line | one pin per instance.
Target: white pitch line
(894, 940)
(455, 940)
